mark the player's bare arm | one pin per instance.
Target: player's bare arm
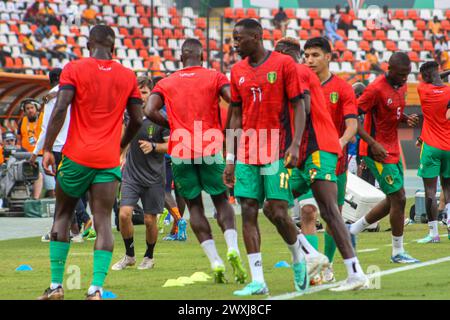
(133, 126)
(378, 151)
(412, 120)
(448, 114)
(235, 123)
(148, 146)
(152, 110)
(57, 121)
(225, 93)
(351, 128)
(444, 74)
(292, 153)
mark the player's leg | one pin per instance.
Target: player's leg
(153, 204)
(445, 184)
(171, 204)
(211, 172)
(187, 180)
(130, 194)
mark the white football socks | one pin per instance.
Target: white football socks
(397, 245)
(297, 253)
(307, 249)
(211, 252)
(359, 226)
(433, 226)
(256, 268)
(231, 238)
(353, 267)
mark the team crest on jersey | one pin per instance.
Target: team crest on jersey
(334, 97)
(389, 101)
(272, 77)
(241, 80)
(389, 180)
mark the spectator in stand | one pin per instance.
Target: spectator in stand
(346, 20)
(440, 45)
(32, 13)
(331, 29)
(30, 47)
(89, 15)
(48, 43)
(49, 15)
(60, 46)
(383, 19)
(434, 27)
(337, 14)
(280, 20)
(372, 58)
(69, 12)
(3, 54)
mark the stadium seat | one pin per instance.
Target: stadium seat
(178, 34)
(418, 35)
(347, 56)
(130, 11)
(342, 34)
(267, 24)
(403, 46)
(409, 25)
(121, 53)
(390, 45)
(318, 24)
(325, 13)
(445, 24)
(267, 35)
(339, 46)
(9, 63)
(415, 46)
(425, 14)
(353, 35)
(293, 24)
(413, 56)
(168, 55)
(397, 24)
(127, 42)
(405, 35)
(268, 44)
(414, 67)
(315, 33)
(305, 24)
(378, 45)
(334, 67)
(118, 10)
(143, 54)
(132, 54)
(368, 35)
(137, 64)
(142, 12)
(173, 12)
(301, 14)
(428, 46)
(364, 45)
(291, 33)
(352, 45)
(239, 13)
(265, 13)
(188, 12)
(347, 67)
(399, 14)
(359, 25)
(252, 13)
(303, 34)
(412, 14)
(421, 25)
(168, 34)
(393, 35)
(199, 34)
(380, 35)
(447, 13)
(314, 14)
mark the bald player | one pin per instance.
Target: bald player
(383, 102)
(191, 96)
(99, 89)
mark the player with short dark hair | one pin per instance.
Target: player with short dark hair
(383, 102)
(435, 151)
(98, 90)
(191, 96)
(341, 103)
(262, 84)
(317, 167)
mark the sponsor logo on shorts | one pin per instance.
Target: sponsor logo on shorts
(389, 180)
(312, 174)
(272, 77)
(334, 97)
(328, 177)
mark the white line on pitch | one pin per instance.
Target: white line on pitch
(367, 250)
(373, 275)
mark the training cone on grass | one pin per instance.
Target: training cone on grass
(200, 277)
(173, 283)
(108, 295)
(24, 267)
(185, 280)
(282, 264)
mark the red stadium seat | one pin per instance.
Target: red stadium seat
(168, 34)
(252, 13)
(418, 35)
(157, 32)
(229, 13)
(303, 34)
(77, 52)
(380, 35)
(318, 24)
(178, 34)
(413, 56)
(137, 33)
(368, 35)
(142, 12)
(128, 43)
(277, 34)
(421, 25)
(315, 33)
(9, 63)
(340, 46)
(143, 54)
(305, 24)
(176, 22)
(428, 46)
(314, 14)
(342, 34)
(384, 66)
(162, 43)
(213, 45)
(445, 24)
(399, 14)
(201, 23)
(199, 34)
(239, 13)
(348, 56)
(18, 63)
(267, 35)
(144, 21)
(168, 55)
(290, 13)
(415, 46)
(15, 28)
(391, 46)
(173, 12)
(447, 14)
(364, 45)
(412, 14)
(45, 62)
(124, 32)
(139, 44)
(118, 10)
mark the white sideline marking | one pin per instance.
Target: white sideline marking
(367, 250)
(371, 276)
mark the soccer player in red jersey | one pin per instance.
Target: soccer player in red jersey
(435, 153)
(383, 102)
(317, 169)
(191, 96)
(99, 89)
(262, 84)
(341, 103)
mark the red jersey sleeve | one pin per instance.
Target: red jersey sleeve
(158, 89)
(305, 83)
(222, 81)
(67, 78)
(349, 107)
(135, 95)
(291, 81)
(368, 99)
(236, 99)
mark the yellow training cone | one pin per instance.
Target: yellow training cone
(173, 283)
(200, 277)
(185, 280)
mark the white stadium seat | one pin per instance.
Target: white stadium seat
(266, 24)
(405, 35)
(137, 64)
(301, 14)
(264, 13)
(353, 35)
(359, 24)
(386, 56)
(121, 54)
(411, 78)
(425, 14)
(409, 25)
(325, 13)
(438, 13)
(347, 67)
(130, 11)
(189, 13)
(293, 24)
(403, 46)
(334, 67)
(108, 10)
(268, 44)
(393, 35)
(127, 64)
(291, 33)
(132, 54)
(378, 45)
(397, 24)
(352, 45)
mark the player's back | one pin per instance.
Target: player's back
(435, 103)
(102, 90)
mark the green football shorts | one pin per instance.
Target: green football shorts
(434, 162)
(193, 176)
(388, 175)
(342, 186)
(75, 179)
(320, 165)
(263, 182)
